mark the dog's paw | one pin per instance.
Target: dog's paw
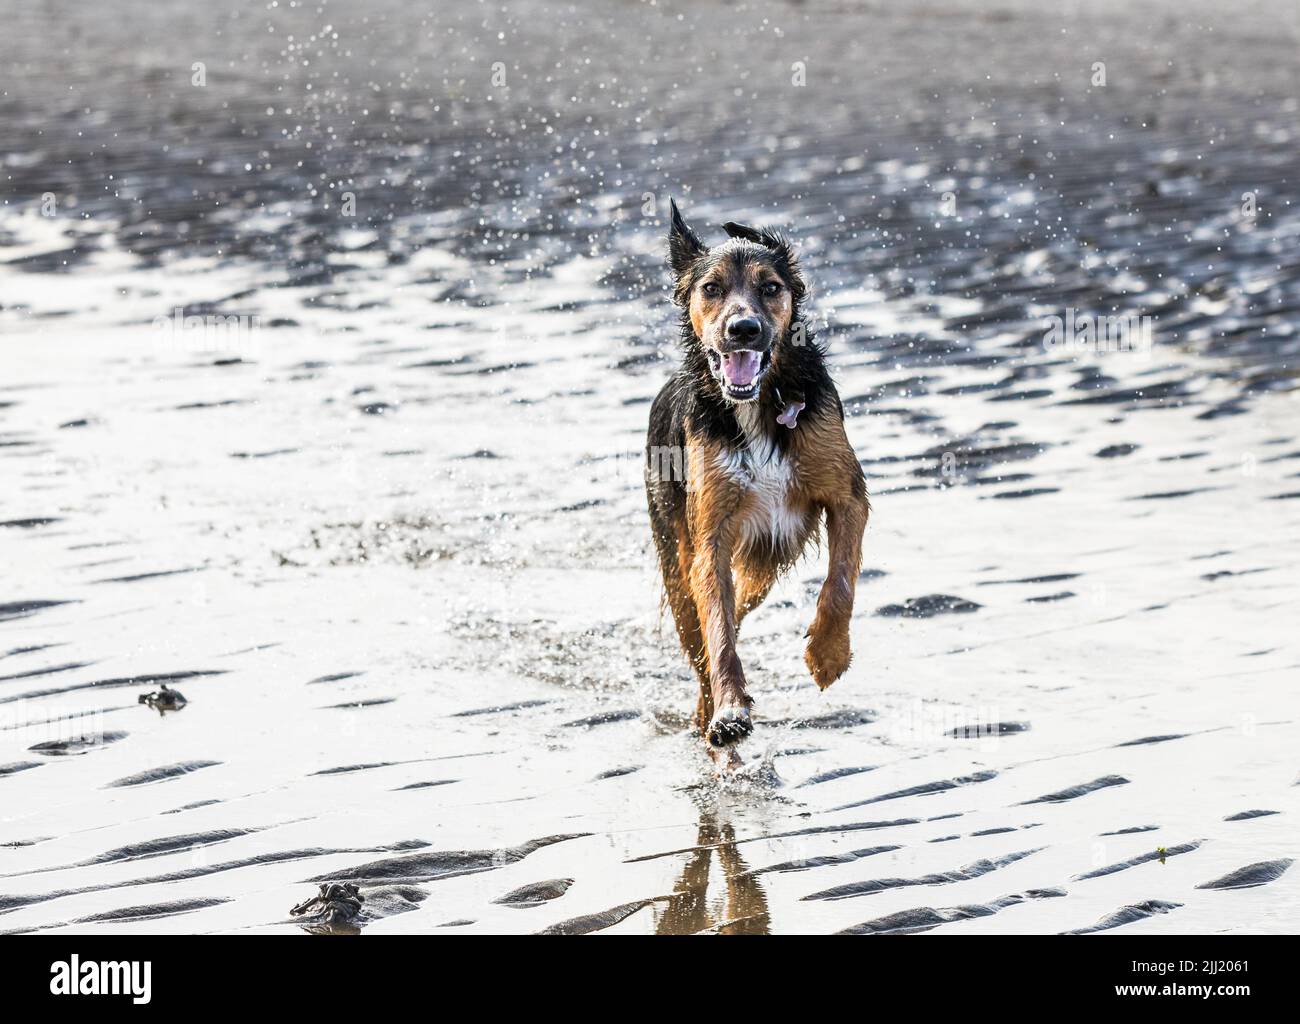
(730, 725)
(827, 657)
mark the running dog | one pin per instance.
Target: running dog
(745, 453)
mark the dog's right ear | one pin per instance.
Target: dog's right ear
(684, 246)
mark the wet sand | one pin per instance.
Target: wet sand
(390, 541)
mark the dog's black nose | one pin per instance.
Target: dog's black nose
(744, 328)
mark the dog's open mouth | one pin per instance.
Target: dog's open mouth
(740, 373)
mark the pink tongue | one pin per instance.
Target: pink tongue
(740, 367)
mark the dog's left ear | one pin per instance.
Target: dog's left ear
(780, 246)
(743, 231)
(773, 240)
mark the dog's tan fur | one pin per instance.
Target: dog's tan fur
(717, 584)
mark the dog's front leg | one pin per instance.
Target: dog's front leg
(828, 653)
(713, 504)
(714, 590)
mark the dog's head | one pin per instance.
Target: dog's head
(740, 297)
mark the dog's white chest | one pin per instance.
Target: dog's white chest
(768, 517)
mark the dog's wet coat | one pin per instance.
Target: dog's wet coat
(746, 455)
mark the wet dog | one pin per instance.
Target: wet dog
(746, 455)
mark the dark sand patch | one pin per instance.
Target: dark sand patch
(109, 684)
(601, 920)
(500, 708)
(823, 860)
(617, 773)
(976, 869)
(923, 919)
(14, 902)
(536, 893)
(846, 718)
(929, 606)
(152, 911)
(165, 773)
(1160, 855)
(78, 744)
(1127, 915)
(1083, 789)
(836, 773)
(52, 670)
(21, 609)
(811, 830)
(602, 718)
(425, 867)
(1251, 875)
(1145, 740)
(924, 789)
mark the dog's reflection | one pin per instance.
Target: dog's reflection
(728, 901)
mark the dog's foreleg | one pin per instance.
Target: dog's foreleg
(713, 501)
(715, 599)
(828, 653)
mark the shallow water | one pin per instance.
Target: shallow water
(389, 540)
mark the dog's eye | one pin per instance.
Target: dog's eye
(772, 288)
(711, 289)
